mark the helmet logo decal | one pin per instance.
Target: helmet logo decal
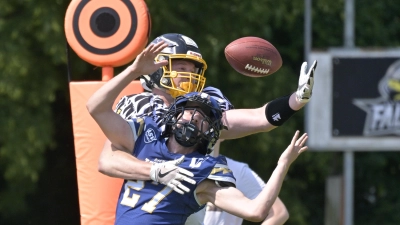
(383, 113)
(170, 42)
(194, 53)
(205, 95)
(189, 41)
(171, 45)
(150, 136)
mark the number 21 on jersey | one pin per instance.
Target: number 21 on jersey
(132, 199)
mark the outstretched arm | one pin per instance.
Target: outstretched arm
(278, 214)
(244, 122)
(233, 201)
(100, 103)
(122, 164)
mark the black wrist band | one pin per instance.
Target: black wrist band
(278, 111)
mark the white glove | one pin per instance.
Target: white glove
(306, 82)
(168, 173)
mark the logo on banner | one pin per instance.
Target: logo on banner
(383, 113)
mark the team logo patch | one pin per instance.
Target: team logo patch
(150, 136)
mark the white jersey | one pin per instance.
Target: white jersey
(247, 181)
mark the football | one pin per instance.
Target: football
(253, 56)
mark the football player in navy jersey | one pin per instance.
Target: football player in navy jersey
(193, 124)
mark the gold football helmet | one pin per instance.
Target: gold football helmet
(183, 48)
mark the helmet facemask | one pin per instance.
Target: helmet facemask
(180, 47)
(187, 133)
(193, 81)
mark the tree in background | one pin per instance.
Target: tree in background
(30, 60)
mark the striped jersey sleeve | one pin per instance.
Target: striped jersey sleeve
(140, 106)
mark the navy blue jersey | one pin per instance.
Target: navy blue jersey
(148, 202)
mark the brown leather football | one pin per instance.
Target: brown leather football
(253, 56)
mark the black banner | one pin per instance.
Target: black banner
(366, 96)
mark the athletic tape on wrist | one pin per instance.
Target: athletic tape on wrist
(278, 111)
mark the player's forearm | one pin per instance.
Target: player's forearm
(103, 99)
(294, 103)
(121, 164)
(244, 122)
(270, 192)
(277, 219)
(137, 170)
(255, 210)
(278, 214)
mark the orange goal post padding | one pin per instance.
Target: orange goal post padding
(98, 193)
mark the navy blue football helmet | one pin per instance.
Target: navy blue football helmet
(186, 132)
(179, 47)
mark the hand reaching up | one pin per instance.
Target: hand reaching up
(306, 82)
(295, 148)
(145, 63)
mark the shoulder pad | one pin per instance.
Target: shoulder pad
(223, 101)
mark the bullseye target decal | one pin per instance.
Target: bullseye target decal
(107, 32)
